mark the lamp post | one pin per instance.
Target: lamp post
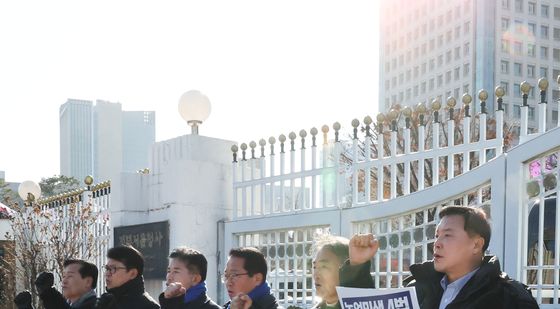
(194, 107)
(29, 191)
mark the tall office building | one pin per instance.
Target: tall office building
(117, 141)
(440, 48)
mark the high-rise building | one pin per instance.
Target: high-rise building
(439, 48)
(117, 141)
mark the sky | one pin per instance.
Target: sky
(268, 67)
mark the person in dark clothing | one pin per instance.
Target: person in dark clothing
(79, 280)
(332, 256)
(124, 281)
(245, 280)
(186, 285)
(24, 300)
(460, 275)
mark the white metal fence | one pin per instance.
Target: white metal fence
(393, 181)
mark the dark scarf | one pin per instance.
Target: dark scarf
(195, 291)
(134, 286)
(260, 291)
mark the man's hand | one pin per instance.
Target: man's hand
(362, 248)
(23, 300)
(44, 281)
(241, 301)
(174, 289)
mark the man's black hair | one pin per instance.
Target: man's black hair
(87, 269)
(129, 256)
(253, 260)
(476, 222)
(194, 260)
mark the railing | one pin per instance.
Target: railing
(392, 178)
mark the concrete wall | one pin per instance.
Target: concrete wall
(189, 185)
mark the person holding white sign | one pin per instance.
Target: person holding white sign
(460, 274)
(329, 254)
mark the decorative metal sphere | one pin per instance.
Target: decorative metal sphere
(88, 180)
(243, 146)
(368, 120)
(314, 131)
(483, 95)
(466, 99)
(292, 135)
(381, 117)
(407, 111)
(325, 128)
(336, 126)
(392, 114)
(355, 123)
(451, 102)
(543, 83)
(436, 105)
(525, 87)
(302, 133)
(252, 144)
(262, 142)
(271, 140)
(282, 138)
(234, 148)
(194, 106)
(500, 91)
(421, 108)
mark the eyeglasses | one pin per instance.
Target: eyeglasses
(231, 277)
(112, 269)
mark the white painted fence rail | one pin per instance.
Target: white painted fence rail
(392, 178)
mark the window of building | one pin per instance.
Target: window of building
(518, 26)
(544, 10)
(467, 27)
(440, 60)
(432, 44)
(431, 84)
(531, 50)
(532, 8)
(544, 32)
(555, 73)
(423, 87)
(543, 72)
(518, 48)
(407, 78)
(447, 77)
(557, 13)
(448, 56)
(517, 69)
(456, 93)
(416, 71)
(556, 34)
(448, 37)
(457, 32)
(387, 85)
(519, 6)
(415, 90)
(532, 29)
(505, 4)
(423, 68)
(554, 115)
(530, 70)
(516, 91)
(505, 46)
(439, 80)
(555, 94)
(531, 113)
(432, 64)
(505, 85)
(457, 73)
(544, 52)
(466, 88)
(457, 53)
(466, 69)
(466, 49)
(505, 24)
(440, 40)
(504, 67)
(556, 54)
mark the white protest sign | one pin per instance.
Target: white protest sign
(402, 298)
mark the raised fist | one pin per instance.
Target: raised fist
(362, 248)
(23, 300)
(174, 289)
(44, 281)
(241, 301)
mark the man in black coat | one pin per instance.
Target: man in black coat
(124, 280)
(460, 275)
(186, 285)
(245, 280)
(79, 280)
